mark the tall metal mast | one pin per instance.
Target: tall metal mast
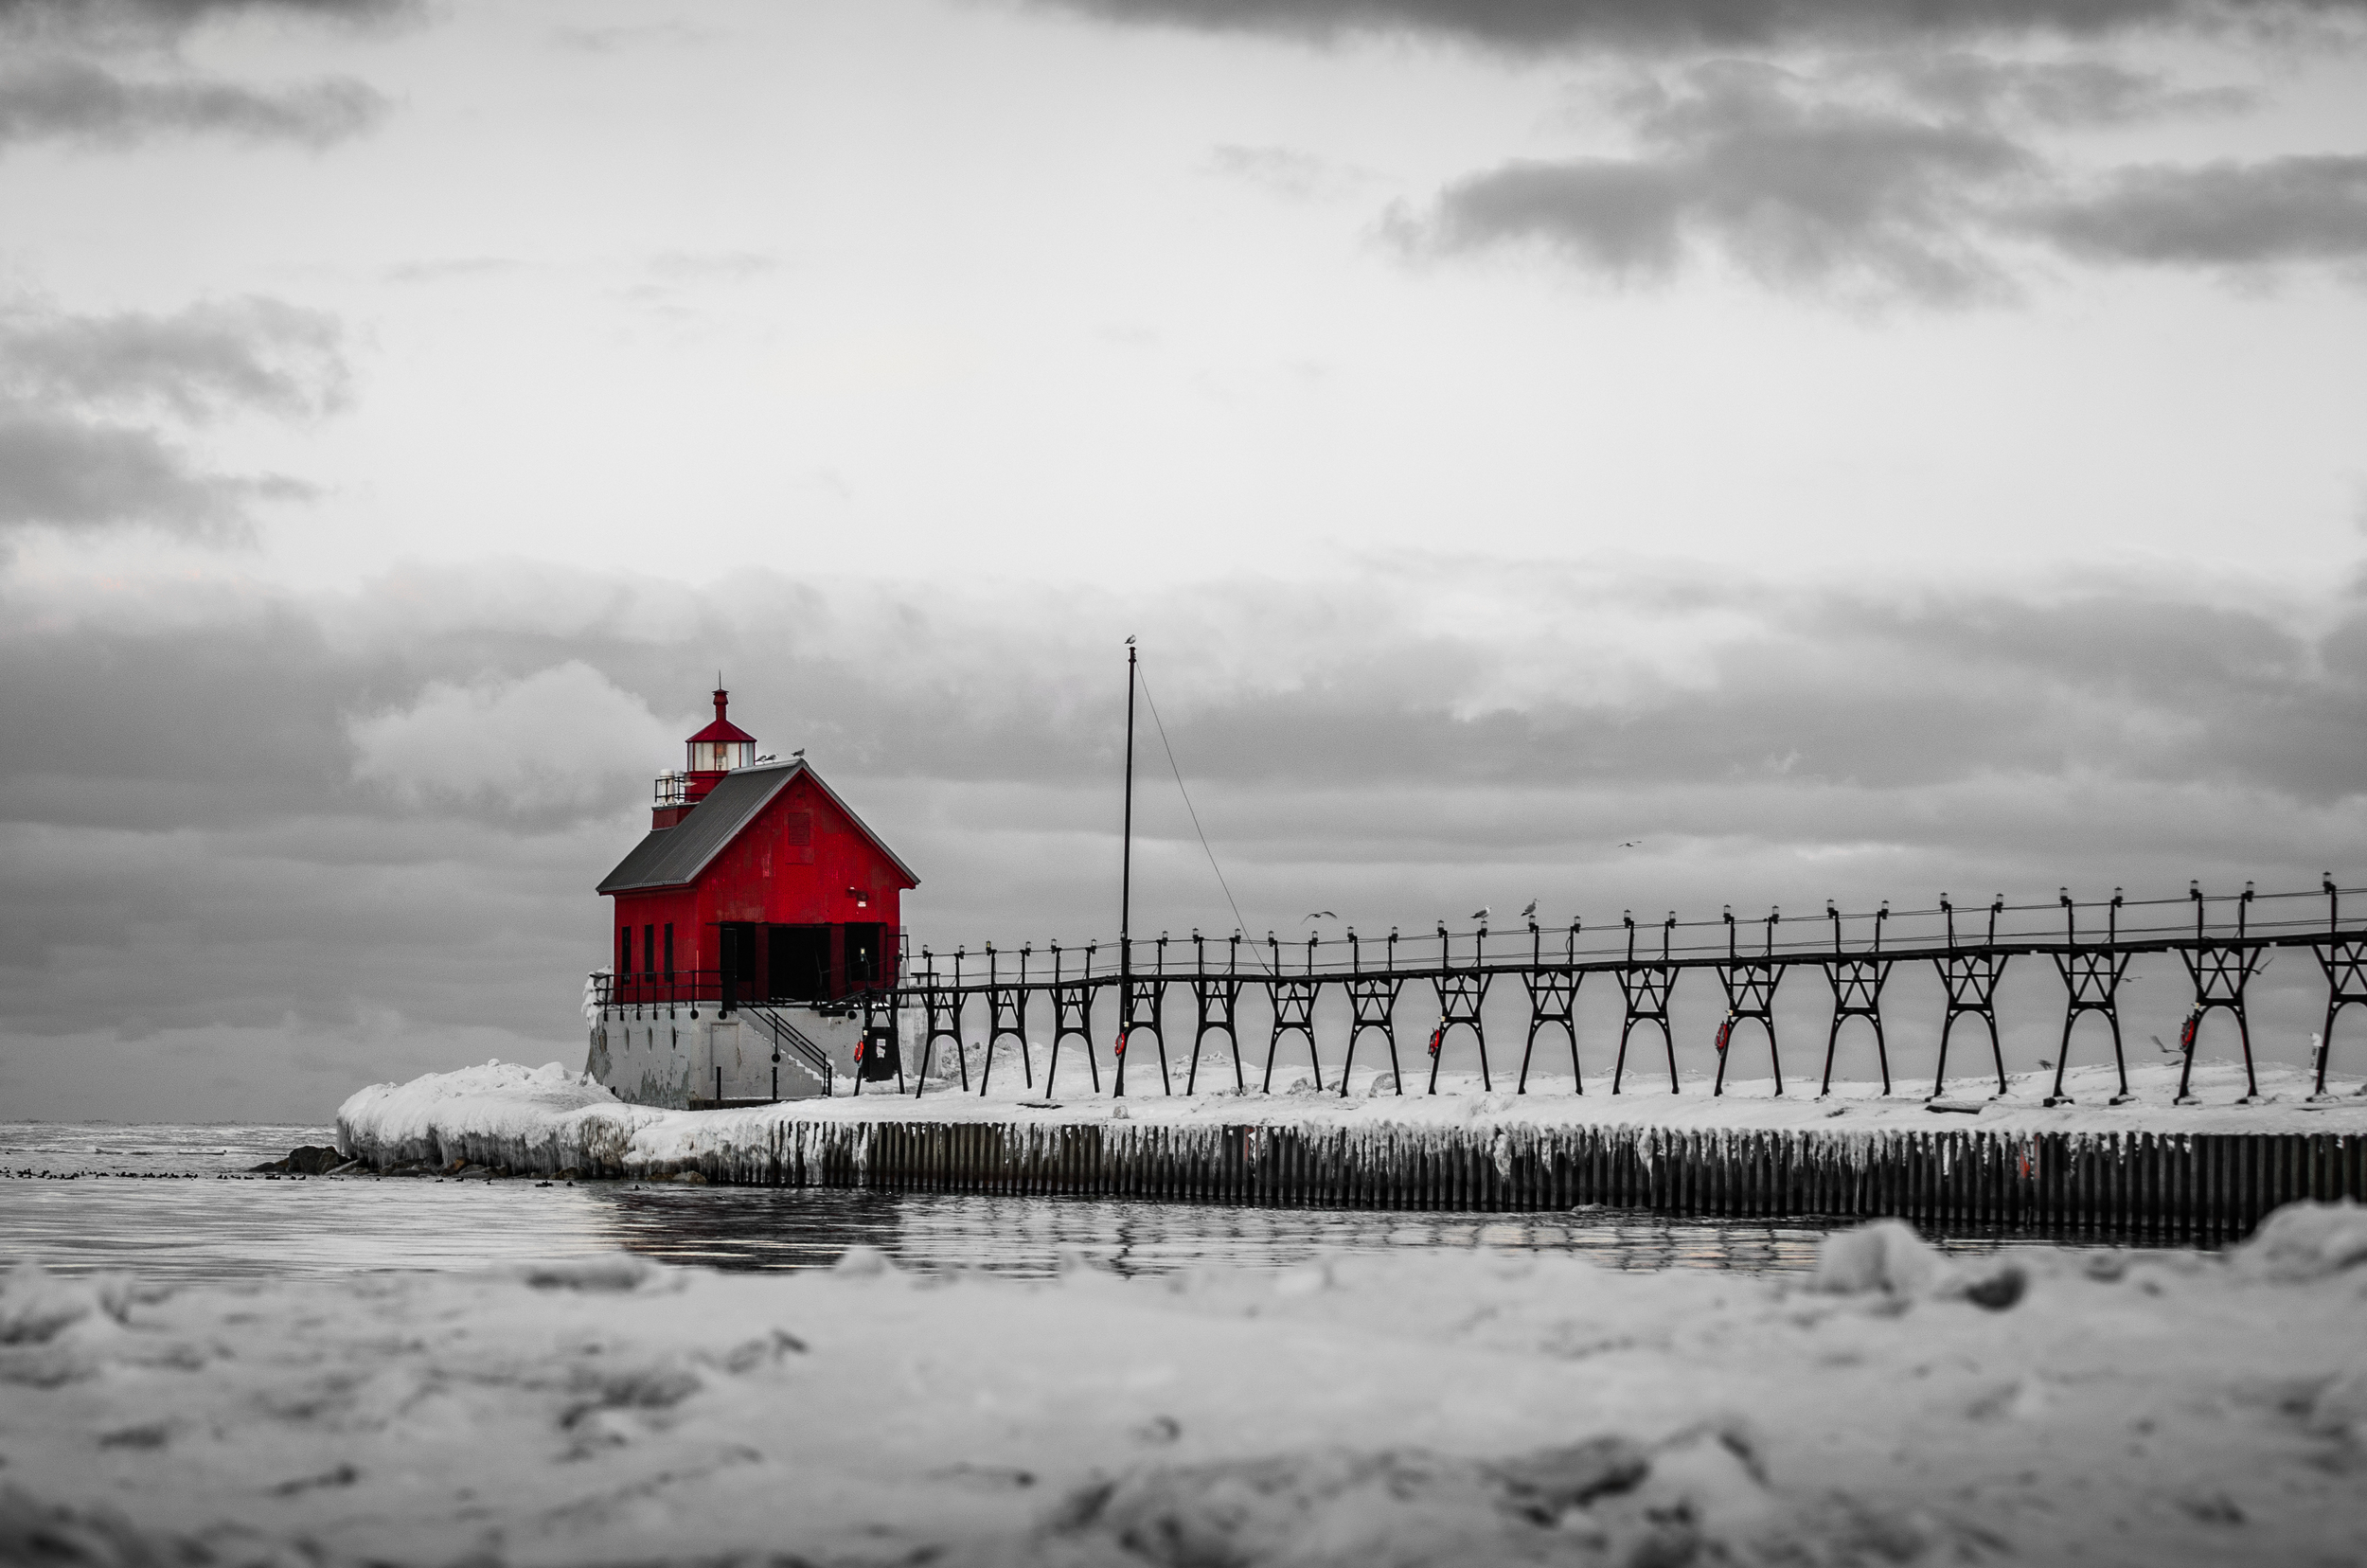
(1126, 881)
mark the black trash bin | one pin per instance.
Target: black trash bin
(880, 1059)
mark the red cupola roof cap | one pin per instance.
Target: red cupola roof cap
(723, 729)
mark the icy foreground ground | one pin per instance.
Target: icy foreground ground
(1431, 1408)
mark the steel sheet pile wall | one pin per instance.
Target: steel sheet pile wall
(2057, 1181)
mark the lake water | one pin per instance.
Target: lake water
(177, 1203)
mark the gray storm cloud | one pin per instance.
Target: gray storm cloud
(1809, 184)
(95, 410)
(74, 100)
(2046, 92)
(198, 362)
(2229, 214)
(61, 472)
(138, 24)
(109, 74)
(2142, 685)
(1891, 158)
(1798, 192)
(1540, 25)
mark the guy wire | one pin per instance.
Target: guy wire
(1238, 924)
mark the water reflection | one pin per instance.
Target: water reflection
(742, 1228)
(125, 1209)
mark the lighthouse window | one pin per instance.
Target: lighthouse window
(670, 951)
(739, 957)
(624, 953)
(649, 950)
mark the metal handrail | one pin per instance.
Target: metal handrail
(2063, 925)
(786, 1033)
(694, 988)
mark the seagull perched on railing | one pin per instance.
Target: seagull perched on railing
(1530, 912)
(797, 755)
(1480, 913)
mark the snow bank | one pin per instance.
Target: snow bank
(501, 1114)
(1396, 1409)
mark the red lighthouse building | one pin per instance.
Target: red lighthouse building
(749, 927)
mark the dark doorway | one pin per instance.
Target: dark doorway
(800, 968)
(863, 954)
(736, 955)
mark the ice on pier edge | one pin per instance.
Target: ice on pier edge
(550, 1118)
(1399, 1409)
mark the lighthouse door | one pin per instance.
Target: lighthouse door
(800, 965)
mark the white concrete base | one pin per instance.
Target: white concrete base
(663, 1056)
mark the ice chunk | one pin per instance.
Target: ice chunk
(609, 1270)
(1396, 1507)
(1548, 1484)
(1885, 1255)
(36, 1305)
(1700, 1496)
(2302, 1241)
(2339, 1409)
(33, 1531)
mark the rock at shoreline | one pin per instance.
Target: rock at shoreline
(310, 1160)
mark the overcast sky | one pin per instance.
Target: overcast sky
(1848, 447)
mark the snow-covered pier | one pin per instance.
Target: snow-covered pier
(2144, 1166)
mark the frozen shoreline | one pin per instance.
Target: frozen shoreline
(1379, 1409)
(549, 1119)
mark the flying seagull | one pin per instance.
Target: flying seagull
(1323, 915)
(1632, 844)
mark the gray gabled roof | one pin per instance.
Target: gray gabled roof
(671, 857)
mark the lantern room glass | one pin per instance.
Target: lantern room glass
(721, 756)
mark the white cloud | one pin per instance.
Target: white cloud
(559, 741)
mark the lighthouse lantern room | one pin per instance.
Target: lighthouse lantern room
(757, 934)
(718, 749)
